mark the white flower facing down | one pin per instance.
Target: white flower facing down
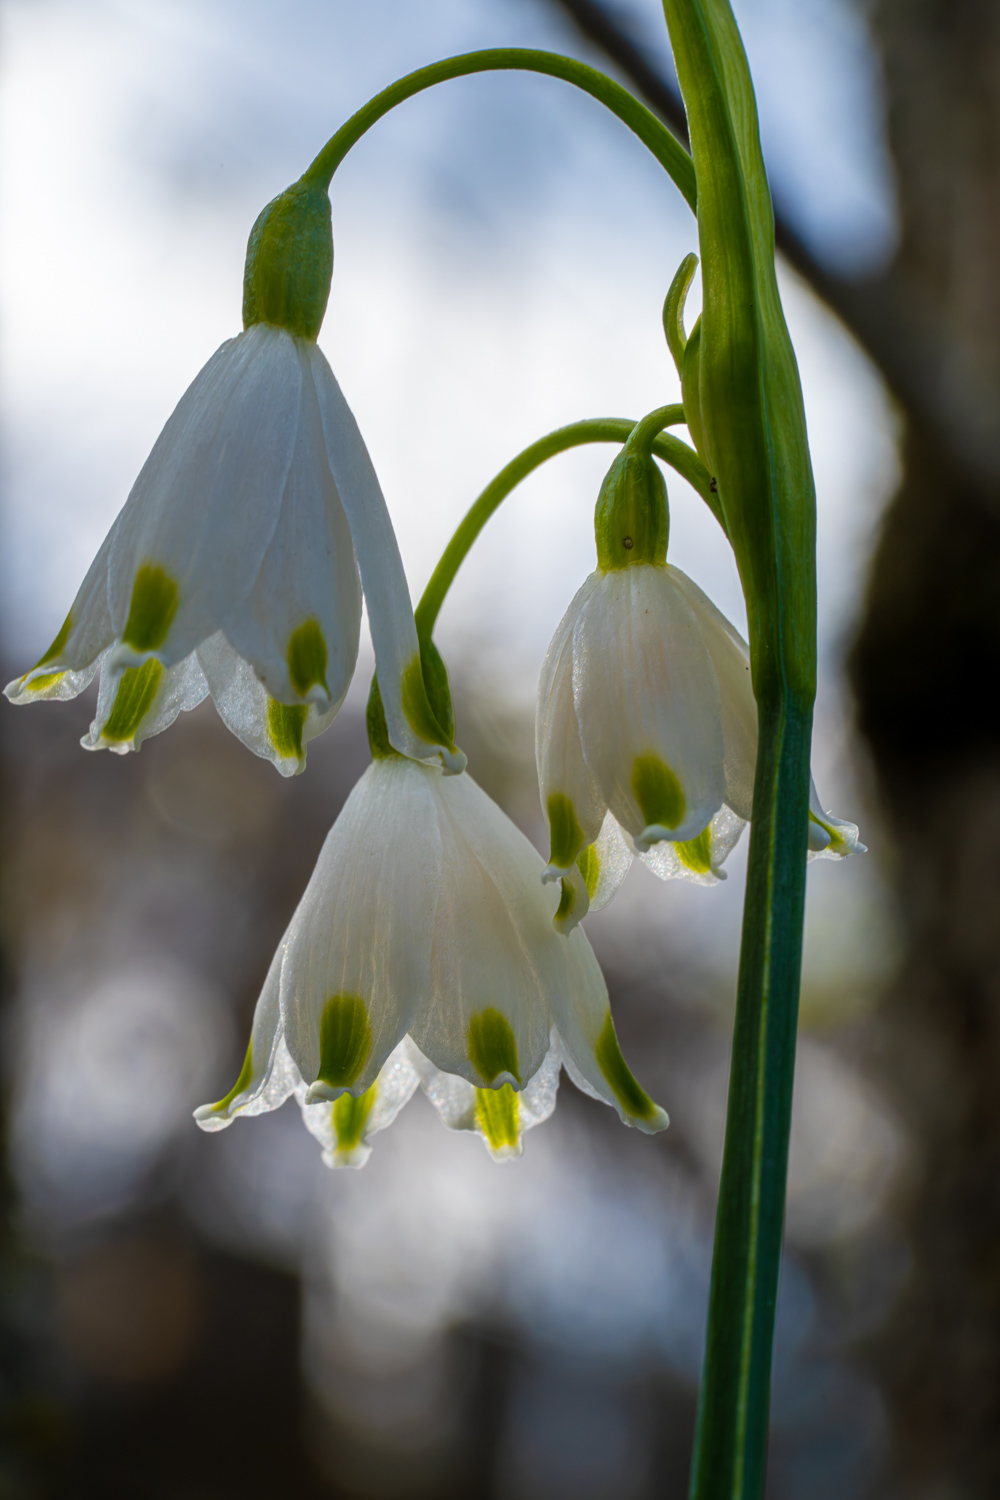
(423, 952)
(646, 739)
(233, 570)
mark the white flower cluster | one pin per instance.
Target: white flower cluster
(431, 946)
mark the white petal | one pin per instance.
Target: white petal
(647, 703)
(606, 862)
(344, 1129)
(134, 705)
(358, 962)
(593, 1059)
(571, 798)
(495, 953)
(268, 1075)
(830, 837)
(390, 613)
(205, 506)
(308, 581)
(731, 659)
(276, 732)
(499, 1116)
(71, 662)
(701, 860)
(574, 900)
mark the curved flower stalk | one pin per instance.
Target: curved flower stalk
(423, 952)
(646, 727)
(233, 568)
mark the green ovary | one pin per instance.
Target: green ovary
(497, 1115)
(154, 604)
(564, 831)
(307, 658)
(133, 701)
(350, 1116)
(588, 862)
(492, 1045)
(243, 1082)
(697, 853)
(633, 1100)
(345, 1040)
(657, 791)
(285, 722)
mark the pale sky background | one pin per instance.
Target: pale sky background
(502, 251)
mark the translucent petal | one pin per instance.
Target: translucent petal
(606, 863)
(701, 860)
(731, 659)
(571, 798)
(344, 1129)
(272, 731)
(495, 955)
(134, 705)
(647, 703)
(357, 968)
(71, 662)
(268, 1075)
(582, 1016)
(307, 590)
(390, 613)
(830, 837)
(462, 1107)
(205, 506)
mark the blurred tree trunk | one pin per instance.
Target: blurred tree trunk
(926, 672)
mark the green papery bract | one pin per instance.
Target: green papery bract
(749, 398)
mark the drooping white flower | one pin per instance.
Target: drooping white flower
(646, 738)
(423, 951)
(233, 567)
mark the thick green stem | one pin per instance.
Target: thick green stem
(731, 1439)
(652, 132)
(599, 430)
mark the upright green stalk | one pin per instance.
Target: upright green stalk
(741, 384)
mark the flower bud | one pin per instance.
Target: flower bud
(631, 520)
(289, 264)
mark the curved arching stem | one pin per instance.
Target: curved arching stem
(642, 122)
(596, 430)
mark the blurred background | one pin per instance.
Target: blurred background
(186, 1316)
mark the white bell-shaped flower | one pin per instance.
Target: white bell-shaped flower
(423, 951)
(646, 738)
(233, 567)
